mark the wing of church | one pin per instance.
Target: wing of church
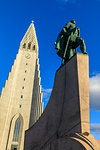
(21, 98)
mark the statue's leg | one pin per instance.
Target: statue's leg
(71, 52)
(62, 62)
(80, 41)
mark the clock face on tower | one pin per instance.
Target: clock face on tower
(27, 56)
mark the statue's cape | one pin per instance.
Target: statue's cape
(59, 45)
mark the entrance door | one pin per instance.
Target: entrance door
(13, 147)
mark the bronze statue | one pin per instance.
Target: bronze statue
(68, 40)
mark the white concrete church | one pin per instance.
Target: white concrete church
(21, 98)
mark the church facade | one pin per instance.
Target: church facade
(21, 98)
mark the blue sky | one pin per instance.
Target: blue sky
(49, 17)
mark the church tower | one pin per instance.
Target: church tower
(21, 98)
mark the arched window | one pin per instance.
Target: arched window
(24, 45)
(16, 130)
(29, 45)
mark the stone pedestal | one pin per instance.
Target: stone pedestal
(65, 121)
(75, 108)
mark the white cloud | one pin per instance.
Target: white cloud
(94, 85)
(95, 128)
(46, 94)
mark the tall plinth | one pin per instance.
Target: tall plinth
(75, 96)
(65, 121)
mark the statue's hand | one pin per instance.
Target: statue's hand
(85, 53)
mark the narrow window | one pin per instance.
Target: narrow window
(24, 45)
(22, 87)
(34, 47)
(29, 45)
(16, 130)
(24, 79)
(20, 106)
(26, 64)
(25, 71)
(21, 96)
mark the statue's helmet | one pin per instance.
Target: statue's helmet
(73, 21)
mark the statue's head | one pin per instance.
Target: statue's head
(73, 21)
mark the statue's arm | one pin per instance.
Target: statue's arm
(64, 31)
(68, 25)
(78, 29)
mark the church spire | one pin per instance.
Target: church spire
(29, 41)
